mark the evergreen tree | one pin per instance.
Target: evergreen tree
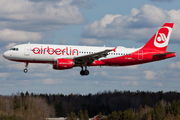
(59, 110)
(27, 94)
(71, 116)
(81, 115)
(86, 116)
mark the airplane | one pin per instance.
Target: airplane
(68, 56)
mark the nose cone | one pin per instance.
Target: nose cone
(6, 55)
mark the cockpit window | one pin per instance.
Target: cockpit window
(14, 49)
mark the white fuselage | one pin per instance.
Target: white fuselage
(50, 53)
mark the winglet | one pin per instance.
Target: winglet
(114, 49)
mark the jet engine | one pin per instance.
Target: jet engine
(62, 64)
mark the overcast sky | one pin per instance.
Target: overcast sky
(128, 23)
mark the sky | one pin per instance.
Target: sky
(128, 23)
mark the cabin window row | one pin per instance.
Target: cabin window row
(80, 52)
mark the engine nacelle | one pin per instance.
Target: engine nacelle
(62, 64)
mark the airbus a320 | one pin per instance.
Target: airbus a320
(68, 56)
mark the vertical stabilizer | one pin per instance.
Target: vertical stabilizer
(160, 40)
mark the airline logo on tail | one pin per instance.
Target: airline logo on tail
(162, 37)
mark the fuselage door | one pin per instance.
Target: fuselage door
(26, 50)
(140, 55)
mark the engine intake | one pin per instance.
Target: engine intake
(62, 64)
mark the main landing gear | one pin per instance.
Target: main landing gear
(84, 72)
(26, 70)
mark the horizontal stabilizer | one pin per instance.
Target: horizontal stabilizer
(162, 54)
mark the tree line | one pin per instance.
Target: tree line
(162, 111)
(124, 105)
(107, 101)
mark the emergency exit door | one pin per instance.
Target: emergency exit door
(26, 50)
(140, 55)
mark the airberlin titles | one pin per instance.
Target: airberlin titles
(57, 51)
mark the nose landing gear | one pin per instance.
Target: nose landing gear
(84, 72)
(26, 70)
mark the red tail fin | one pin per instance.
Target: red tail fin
(160, 40)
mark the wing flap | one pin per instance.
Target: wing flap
(94, 56)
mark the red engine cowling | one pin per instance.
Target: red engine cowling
(62, 64)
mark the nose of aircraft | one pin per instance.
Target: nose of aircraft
(5, 54)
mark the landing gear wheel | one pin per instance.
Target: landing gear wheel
(82, 72)
(86, 72)
(25, 70)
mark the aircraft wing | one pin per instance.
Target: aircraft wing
(91, 57)
(162, 54)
